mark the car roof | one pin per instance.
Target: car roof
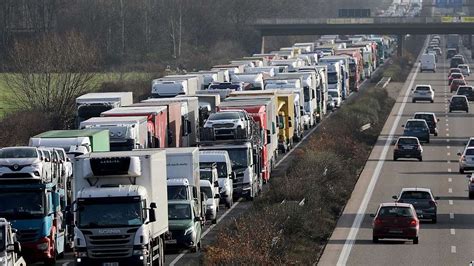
(423, 85)
(416, 119)
(405, 189)
(395, 204)
(425, 113)
(463, 65)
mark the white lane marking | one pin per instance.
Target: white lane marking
(66, 263)
(447, 125)
(450, 202)
(452, 231)
(207, 231)
(451, 215)
(447, 120)
(447, 129)
(453, 249)
(448, 147)
(447, 134)
(346, 250)
(450, 190)
(449, 154)
(447, 140)
(450, 180)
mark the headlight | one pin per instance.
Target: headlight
(188, 231)
(42, 246)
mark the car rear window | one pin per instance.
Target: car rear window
(459, 81)
(416, 124)
(395, 212)
(458, 99)
(470, 152)
(456, 75)
(422, 88)
(427, 117)
(415, 195)
(407, 141)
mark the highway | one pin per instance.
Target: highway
(450, 241)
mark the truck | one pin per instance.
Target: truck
(120, 208)
(320, 83)
(74, 142)
(182, 167)
(190, 117)
(267, 71)
(157, 122)
(356, 66)
(335, 82)
(175, 113)
(207, 104)
(254, 79)
(126, 133)
(452, 42)
(172, 85)
(286, 120)
(10, 250)
(343, 65)
(93, 104)
(34, 203)
(257, 110)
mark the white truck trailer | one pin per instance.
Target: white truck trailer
(120, 208)
(93, 104)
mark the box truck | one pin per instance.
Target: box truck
(93, 104)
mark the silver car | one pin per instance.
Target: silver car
(423, 93)
(466, 160)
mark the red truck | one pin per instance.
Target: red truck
(259, 115)
(175, 122)
(157, 122)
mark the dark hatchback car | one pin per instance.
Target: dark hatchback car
(417, 128)
(422, 200)
(456, 83)
(450, 53)
(408, 147)
(455, 61)
(396, 221)
(459, 103)
(467, 91)
(430, 119)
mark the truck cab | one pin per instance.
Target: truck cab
(93, 104)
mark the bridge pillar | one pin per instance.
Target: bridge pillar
(263, 45)
(400, 45)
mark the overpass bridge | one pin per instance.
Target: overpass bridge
(399, 26)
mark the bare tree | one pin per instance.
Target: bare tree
(50, 73)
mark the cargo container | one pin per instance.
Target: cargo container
(93, 104)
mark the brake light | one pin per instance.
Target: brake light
(377, 221)
(413, 222)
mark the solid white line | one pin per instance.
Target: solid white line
(451, 215)
(450, 202)
(453, 249)
(450, 190)
(181, 255)
(450, 180)
(452, 231)
(375, 176)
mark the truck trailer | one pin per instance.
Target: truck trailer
(93, 104)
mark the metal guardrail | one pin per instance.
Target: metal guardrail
(374, 20)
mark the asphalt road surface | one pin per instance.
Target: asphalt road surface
(450, 241)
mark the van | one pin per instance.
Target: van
(208, 158)
(428, 62)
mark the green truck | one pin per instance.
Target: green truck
(76, 142)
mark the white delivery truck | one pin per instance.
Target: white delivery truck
(93, 104)
(126, 133)
(428, 62)
(173, 85)
(120, 206)
(254, 79)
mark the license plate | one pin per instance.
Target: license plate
(171, 242)
(395, 231)
(407, 147)
(110, 264)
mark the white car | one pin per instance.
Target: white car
(23, 162)
(212, 202)
(423, 93)
(466, 160)
(226, 122)
(465, 70)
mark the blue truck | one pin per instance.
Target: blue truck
(34, 202)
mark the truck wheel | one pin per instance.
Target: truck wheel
(214, 221)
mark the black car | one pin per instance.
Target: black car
(430, 119)
(467, 91)
(450, 53)
(459, 103)
(408, 147)
(455, 61)
(422, 199)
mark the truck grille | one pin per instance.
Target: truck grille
(27, 235)
(227, 125)
(102, 246)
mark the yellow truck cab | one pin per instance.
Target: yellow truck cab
(286, 120)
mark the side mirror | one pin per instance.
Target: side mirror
(459, 154)
(372, 215)
(153, 205)
(151, 215)
(395, 197)
(216, 184)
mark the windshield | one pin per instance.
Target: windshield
(22, 204)
(404, 141)
(221, 168)
(458, 100)
(333, 94)
(206, 175)
(85, 112)
(332, 77)
(239, 158)
(18, 153)
(224, 115)
(179, 211)
(106, 213)
(395, 212)
(469, 152)
(177, 193)
(207, 191)
(426, 117)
